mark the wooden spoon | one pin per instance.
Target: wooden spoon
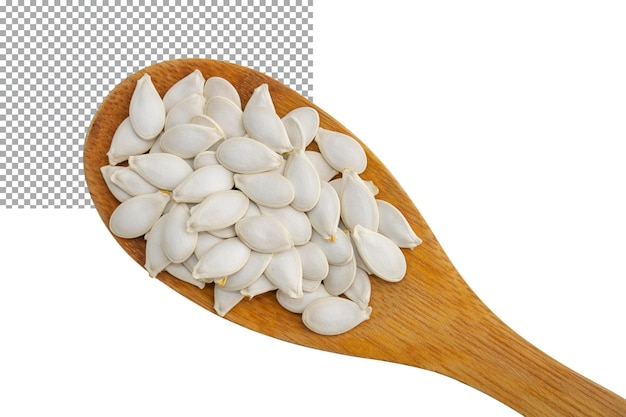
(431, 319)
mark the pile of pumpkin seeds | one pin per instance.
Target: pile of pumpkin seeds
(230, 196)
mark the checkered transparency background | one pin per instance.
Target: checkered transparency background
(59, 62)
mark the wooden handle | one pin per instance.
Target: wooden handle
(478, 349)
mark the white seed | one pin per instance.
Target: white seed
(147, 112)
(295, 132)
(224, 233)
(264, 125)
(285, 272)
(156, 145)
(340, 277)
(191, 84)
(178, 242)
(261, 98)
(156, 260)
(358, 205)
(220, 87)
(202, 183)
(297, 305)
(267, 189)
(191, 261)
(341, 151)
(338, 183)
(361, 289)
(136, 216)
(184, 111)
(205, 158)
(338, 251)
(205, 242)
(107, 172)
(181, 272)
(187, 139)
(126, 142)
(334, 315)
(218, 211)
(309, 121)
(224, 301)
(131, 182)
(253, 210)
(296, 222)
(359, 262)
(325, 171)
(247, 156)
(258, 287)
(204, 120)
(325, 215)
(309, 285)
(250, 272)
(227, 115)
(300, 171)
(164, 171)
(264, 234)
(381, 255)
(395, 226)
(222, 260)
(314, 262)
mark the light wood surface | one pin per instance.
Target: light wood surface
(431, 319)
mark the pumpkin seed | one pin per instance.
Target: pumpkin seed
(218, 211)
(300, 171)
(285, 272)
(250, 272)
(190, 84)
(334, 315)
(220, 87)
(147, 111)
(136, 216)
(163, 170)
(264, 125)
(203, 182)
(340, 277)
(296, 222)
(341, 151)
(394, 225)
(222, 260)
(156, 259)
(131, 182)
(358, 205)
(107, 172)
(325, 215)
(297, 305)
(184, 111)
(268, 189)
(264, 234)
(247, 156)
(224, 300)
(178, 242)
(258, 287)
(361, 289)
(187, 139)
(381, 255)
(182, 273)
(227, 115)
(126, 142)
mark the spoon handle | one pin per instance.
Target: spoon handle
(500, 363)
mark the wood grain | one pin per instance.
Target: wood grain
(431, 319)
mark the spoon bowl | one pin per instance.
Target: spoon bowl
(431, 319)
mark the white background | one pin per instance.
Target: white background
(506, 126)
